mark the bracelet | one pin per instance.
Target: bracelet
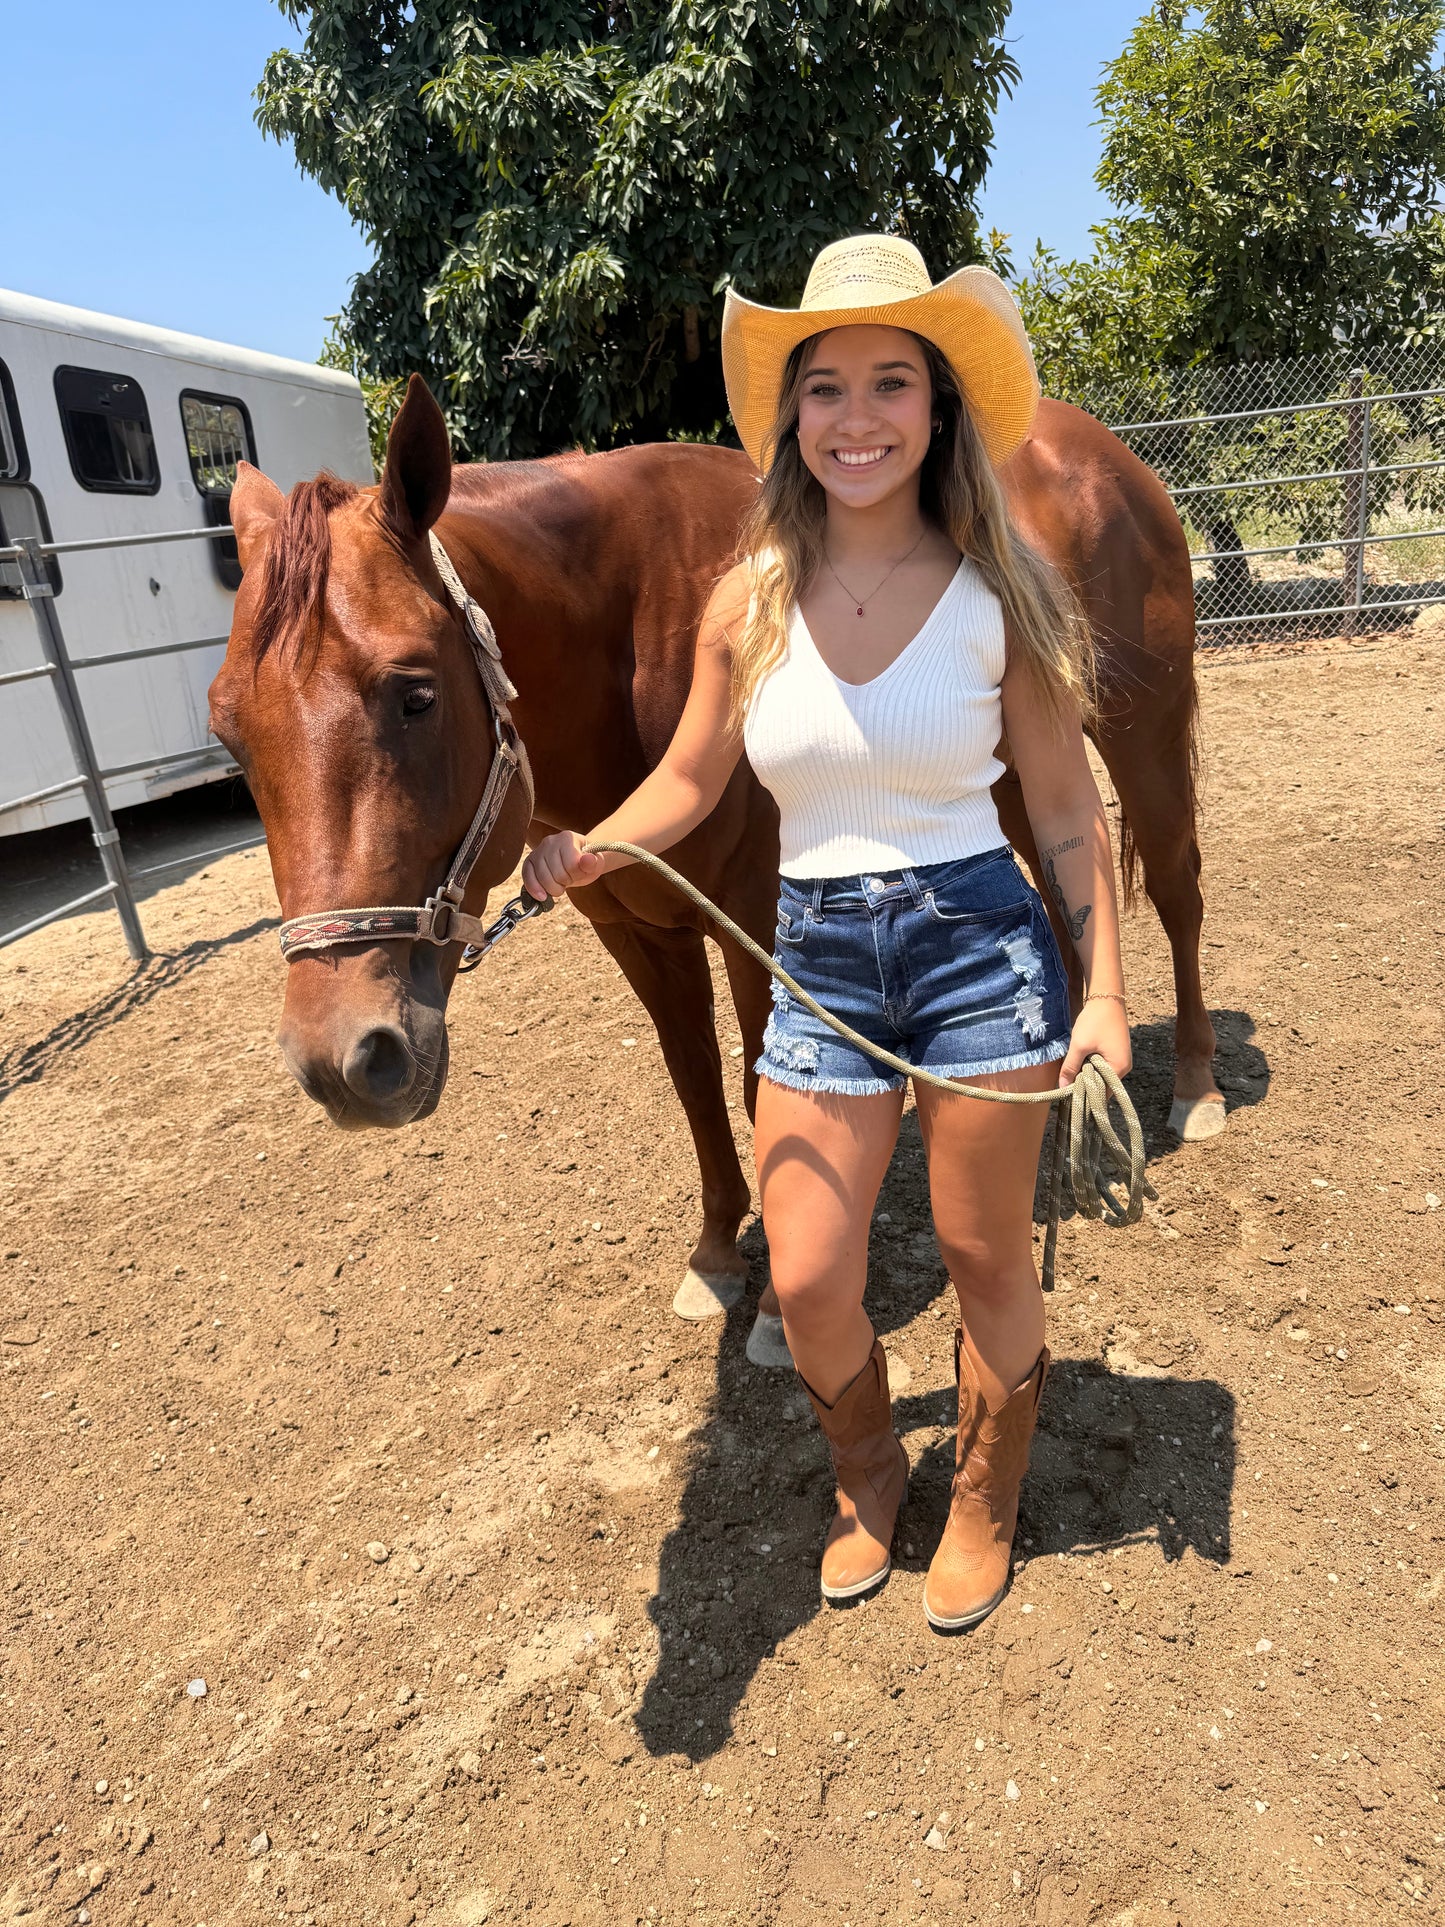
(1107, 997)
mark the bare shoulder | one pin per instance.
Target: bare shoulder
(727, 607)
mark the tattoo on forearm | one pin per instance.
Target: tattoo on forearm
(1074, 921)
(1062, 849)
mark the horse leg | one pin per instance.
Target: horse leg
(668, 969)
(752, 1000)
(1158, 801)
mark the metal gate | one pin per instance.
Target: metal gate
(30, 557)
(1312, 490)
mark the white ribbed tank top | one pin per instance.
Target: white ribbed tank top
(894, 772)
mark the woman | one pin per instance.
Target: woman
(885, 633)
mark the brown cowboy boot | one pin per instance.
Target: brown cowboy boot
(871, 1469)
(969, 1573)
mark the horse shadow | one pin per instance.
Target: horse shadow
(1117, 1459)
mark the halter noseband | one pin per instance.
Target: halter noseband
(441, 919)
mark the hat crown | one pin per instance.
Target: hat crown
(865, 270)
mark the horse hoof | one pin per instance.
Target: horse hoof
(708, 1294)
(767, 1347)
(1192, 1119)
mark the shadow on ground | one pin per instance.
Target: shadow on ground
(27, 1063)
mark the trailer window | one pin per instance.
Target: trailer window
(218, 435)
(107, 431)
(13, 465)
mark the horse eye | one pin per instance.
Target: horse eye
(418, 699)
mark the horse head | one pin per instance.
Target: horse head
(350, 697)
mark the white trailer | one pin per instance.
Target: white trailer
(110, 428)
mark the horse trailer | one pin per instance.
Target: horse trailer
(111, 429)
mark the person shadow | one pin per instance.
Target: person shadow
(1119, 1457)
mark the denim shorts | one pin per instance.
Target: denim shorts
(952, 966)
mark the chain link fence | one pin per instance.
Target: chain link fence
(1312, 491)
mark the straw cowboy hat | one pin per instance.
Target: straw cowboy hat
(880, 278)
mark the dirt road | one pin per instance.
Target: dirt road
(501, 1580)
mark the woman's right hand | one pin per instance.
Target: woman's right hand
(559, 863)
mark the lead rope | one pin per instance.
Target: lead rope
(1083, 1137)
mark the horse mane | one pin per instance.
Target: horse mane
(298, 560)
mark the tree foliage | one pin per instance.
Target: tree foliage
(558, 192)
(1276, 165)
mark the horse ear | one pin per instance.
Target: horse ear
(417, 478)
(255, 503)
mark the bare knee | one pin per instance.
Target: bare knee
(808, 1294)
(986, 1277)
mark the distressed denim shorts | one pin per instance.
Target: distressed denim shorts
(952, 966)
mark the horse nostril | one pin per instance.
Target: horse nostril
(379, 1064)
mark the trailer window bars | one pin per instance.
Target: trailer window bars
(218, 436)
(107, 432)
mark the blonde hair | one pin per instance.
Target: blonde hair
(959, 490)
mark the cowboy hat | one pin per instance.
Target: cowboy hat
(881, 279)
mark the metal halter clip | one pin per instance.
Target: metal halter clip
(513, 913)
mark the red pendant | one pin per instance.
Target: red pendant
(860, 609)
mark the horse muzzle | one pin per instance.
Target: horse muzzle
(369, 1046)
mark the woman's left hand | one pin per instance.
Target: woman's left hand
(1101, 1029)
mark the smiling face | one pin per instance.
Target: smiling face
(865, 413)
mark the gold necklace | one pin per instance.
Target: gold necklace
(872, 592)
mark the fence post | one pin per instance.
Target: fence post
(1357, 502)
(39, 593)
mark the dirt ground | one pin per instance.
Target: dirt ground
(501, 1580)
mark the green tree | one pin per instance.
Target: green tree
(558, 192)
(1276, 166)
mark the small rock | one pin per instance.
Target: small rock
(770, 1746)
(102, 1786)
(403, 1694)
(377, 1551)
(197, 1689)
(1264, 1645)
(259, 1843)
(471, 1764)
(1011, 1791)
(937, 1835)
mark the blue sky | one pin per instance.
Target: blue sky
(138, 183)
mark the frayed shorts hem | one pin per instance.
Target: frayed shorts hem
(827, 1086)
(792, 1080)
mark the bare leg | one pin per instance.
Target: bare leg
(982, 1160)
(821, 1161)
(752, 1000)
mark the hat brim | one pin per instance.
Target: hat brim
(970, 318)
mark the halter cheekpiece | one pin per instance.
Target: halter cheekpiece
(441, 919)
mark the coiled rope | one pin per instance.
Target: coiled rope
(1106, 1175)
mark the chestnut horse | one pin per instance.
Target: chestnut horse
(350, 697)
